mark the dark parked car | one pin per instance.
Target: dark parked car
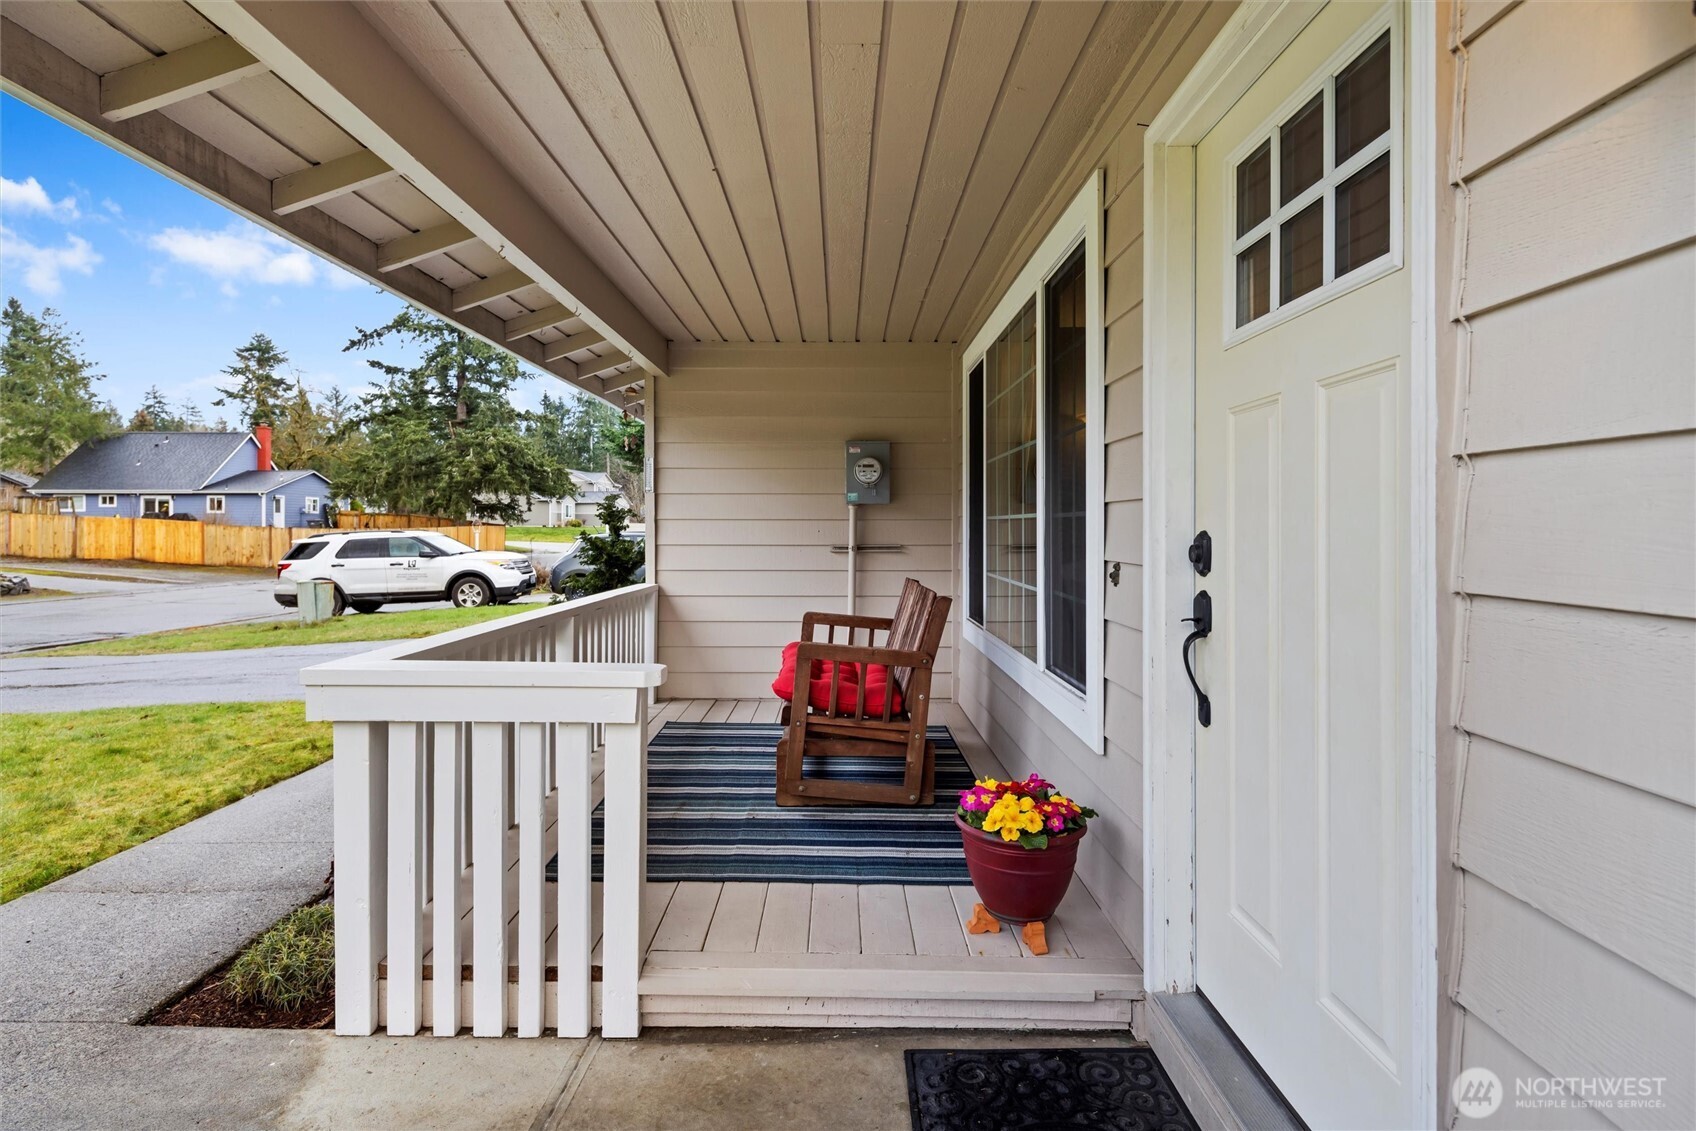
(570, 565)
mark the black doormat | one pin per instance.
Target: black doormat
(1115, 1089)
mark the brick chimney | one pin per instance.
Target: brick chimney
(262, 433)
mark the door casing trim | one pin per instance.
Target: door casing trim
(1255, 36)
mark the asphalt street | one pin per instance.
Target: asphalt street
(30, 685)
(118, 607)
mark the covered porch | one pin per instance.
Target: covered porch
(551, 708)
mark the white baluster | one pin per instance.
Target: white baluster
(406, 879)
(449, 864)
(576, 939)
(361, 780)
(624, 868)
(532, 920)
(488, 901)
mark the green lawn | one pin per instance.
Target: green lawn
(79, 786)
(550, 533)
(274, 634)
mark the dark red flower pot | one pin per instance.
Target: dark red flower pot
(1019, 885)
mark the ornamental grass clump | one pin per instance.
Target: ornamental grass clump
(290, 965)
(1028, 811)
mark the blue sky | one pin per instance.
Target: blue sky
(162, 283)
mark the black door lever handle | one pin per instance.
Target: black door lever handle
(1202, 606)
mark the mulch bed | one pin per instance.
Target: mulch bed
(208, 1004)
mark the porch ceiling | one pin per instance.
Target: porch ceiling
(584, 182)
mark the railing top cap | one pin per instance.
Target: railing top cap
(367, 671)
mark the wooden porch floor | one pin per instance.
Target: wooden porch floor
(849, 954)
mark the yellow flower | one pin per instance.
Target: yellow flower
(1009, 833)
(989, 783)
(1025, 804)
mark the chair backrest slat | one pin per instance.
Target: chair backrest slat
(907, 629)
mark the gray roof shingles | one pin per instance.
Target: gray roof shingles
(249, 482)
(144, 461)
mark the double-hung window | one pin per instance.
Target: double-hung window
(1033, 501)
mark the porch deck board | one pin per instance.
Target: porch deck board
(836, 954)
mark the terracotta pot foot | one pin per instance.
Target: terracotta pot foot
(1036, 937)
(982, 922)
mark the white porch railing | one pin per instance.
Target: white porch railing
(451, 754)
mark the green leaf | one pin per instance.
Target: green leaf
(1033, 840)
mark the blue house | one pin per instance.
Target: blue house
(220, 477)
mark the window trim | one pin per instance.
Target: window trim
(311, 504)
(141, 506)
(106, 501)
(1322, 79)
(1082, 712)
(221, 508)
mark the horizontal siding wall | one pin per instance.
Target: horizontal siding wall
(1025, 737)
(1570, 417)
(749, 489)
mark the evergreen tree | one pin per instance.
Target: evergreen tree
(155, 414)
(301, 436)
(574, 428)
(442, 437)
(613, 559)
(47, 400)
(256, 387)
(626, 464)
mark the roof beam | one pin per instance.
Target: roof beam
(498, 285)
(526, 324)
(295, 191)
(603, 363)
(553, 351)
(175, 76)
(407, 250)
(44, 77)
(613, 382)
(344, 66)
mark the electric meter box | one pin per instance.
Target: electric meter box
(867, 466)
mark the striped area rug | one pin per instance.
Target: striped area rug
(712, 817)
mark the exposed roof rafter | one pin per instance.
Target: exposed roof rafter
(498, 285)
(553, 351)
(174, 76)
(422, 245)
(526, 324)
(294, 191)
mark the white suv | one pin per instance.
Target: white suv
(372, 568)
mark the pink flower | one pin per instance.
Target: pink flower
(978, 799)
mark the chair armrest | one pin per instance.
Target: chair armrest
(842, 620)
(858, 654)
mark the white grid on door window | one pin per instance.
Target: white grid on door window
(1010, 485)
(1314, 200)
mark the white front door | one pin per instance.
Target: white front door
(1304, 879)
(277, 511)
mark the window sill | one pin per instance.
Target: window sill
(1073, 709)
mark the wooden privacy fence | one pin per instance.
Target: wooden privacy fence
(168, 541)
(364, 520)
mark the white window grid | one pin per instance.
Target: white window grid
(1331, 285)
(108, 500)
(312, 504)
(214, 504)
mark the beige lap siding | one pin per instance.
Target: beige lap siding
(750, 498)
(1567, 516)
(1020, 731)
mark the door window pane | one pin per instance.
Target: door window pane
(1363, 99)
(1301, 150)
(1254, 281)
(1303, 252)
(1067, 510)
(1010, 503)
(1254, 189)
(1363, 216)
(974, 511)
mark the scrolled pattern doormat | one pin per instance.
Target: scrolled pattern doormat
(1114, 1089)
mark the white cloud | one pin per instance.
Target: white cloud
(112, 206)
(245, 253)
(43, 266)
(28, 196)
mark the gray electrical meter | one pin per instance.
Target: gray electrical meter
(867, 466)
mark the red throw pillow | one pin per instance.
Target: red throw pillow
(818, 682)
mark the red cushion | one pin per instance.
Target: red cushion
(847, 685)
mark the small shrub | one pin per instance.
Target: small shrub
(574, 523)
(289, 965)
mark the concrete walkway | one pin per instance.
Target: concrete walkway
(82, 959)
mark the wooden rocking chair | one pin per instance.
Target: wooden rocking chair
(912, 637)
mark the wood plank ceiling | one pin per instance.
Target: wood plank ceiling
(786, 171)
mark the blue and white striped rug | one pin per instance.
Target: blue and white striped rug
(712, 815)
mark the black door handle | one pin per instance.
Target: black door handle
(1202, 607)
